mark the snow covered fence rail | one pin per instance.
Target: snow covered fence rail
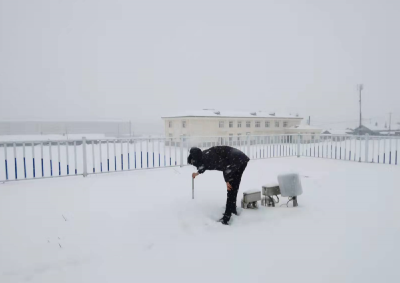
(373, 149)
(34, 159)
(57, 158)
(256, 146)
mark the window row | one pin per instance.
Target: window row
(170, 124)
(239, 124)
(258, 124)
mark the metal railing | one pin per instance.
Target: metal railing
(48, 159)
(371, 149)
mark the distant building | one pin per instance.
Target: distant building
(337, 132)
(227, 124)
(363, 130)
(374, 130)
(108, 128)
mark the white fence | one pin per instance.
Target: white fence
(47, 159)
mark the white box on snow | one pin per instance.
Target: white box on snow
(290, 185)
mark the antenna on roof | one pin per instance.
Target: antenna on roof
(272, 114)
(253, 113)
(217, 112)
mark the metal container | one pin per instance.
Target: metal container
(250, 199)
(251, 196)
(271, 190)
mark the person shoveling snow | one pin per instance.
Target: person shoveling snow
(231, 161)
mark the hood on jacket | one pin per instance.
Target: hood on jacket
(195, 157)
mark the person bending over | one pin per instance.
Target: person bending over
(231, 161)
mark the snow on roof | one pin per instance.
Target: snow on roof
(337, 132)
(377, 129)
(304, 127)
(373, 127)
(233, 114)
(380, 127)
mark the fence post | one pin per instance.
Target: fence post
(298, 145)
(84, 157)
(181, 157)
(366, 147)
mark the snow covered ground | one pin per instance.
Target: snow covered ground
(143, 226)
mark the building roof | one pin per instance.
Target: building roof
(373, 127)
(233, 114)
(337, 132)
(304, 127)
(363, 130)
(381, 126)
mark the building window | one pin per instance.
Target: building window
(238, 138)
(267, 124)
(183, 124)
(230, 124)
(277, 124)
(239, 124)
(258, 124)
(170, 124)
(183, 137)
(221, 124)
(248, 124)
(230, 137)
(285, 124)
(170, 135)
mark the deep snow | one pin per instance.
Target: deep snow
(143, 226)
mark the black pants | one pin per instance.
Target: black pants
(232, 194)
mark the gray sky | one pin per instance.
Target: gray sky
(140, 60)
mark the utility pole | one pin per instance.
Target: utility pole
(130, 128)
(360, 88)
(390, 121)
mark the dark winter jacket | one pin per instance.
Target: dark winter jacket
(222, 158)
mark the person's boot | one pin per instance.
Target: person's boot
(224, 220)
(235, 212)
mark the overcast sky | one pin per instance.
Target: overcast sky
(140, 60)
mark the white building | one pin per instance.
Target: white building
(213, 123)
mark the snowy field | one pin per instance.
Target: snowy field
(143, 226)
